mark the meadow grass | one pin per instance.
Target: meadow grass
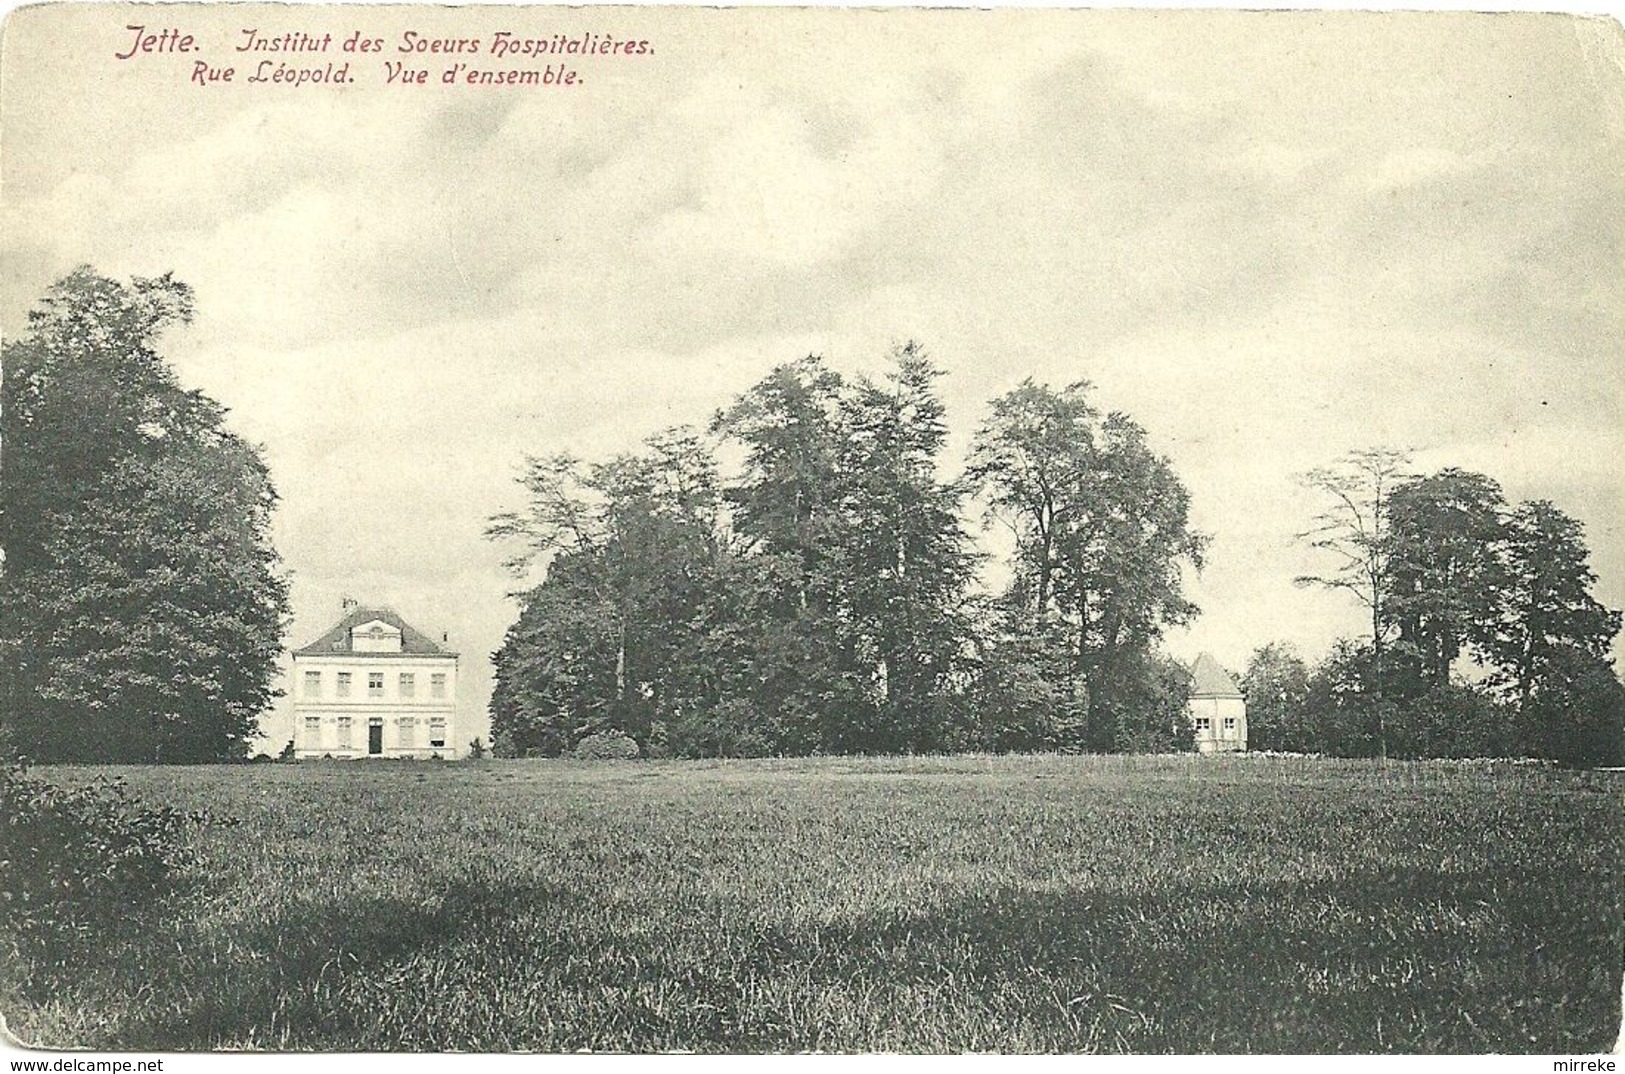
(1014, 904)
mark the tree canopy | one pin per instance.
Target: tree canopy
(825, 599)
(141, 604)
(1449, 571)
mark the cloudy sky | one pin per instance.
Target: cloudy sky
(1271, 238)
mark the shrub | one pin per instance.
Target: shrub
(607, 746)
(77, 864)
(476, 750)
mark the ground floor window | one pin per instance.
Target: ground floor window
(437, 731)
(344, 732)
(313, 727)
(408, 732)
(1229, 725)
(1204, 724)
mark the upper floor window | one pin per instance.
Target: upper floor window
(375, 684)
(409, 684)
(342, 687)
(437, 684)
(313, 684)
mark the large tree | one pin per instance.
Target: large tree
(786, 502)
(1034, 456)
(1102, 532)
(1353, 532)
(1545, 607)
(635, 561)
(786, 511)
(905, 559)
(816, 604)
(141, 606)
(1444, 569)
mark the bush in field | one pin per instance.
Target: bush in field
(76, 864)
(606, 746)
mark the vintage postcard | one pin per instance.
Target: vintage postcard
(773, 530)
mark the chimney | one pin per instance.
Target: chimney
(349, 605)
(444, 637)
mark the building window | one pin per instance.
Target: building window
(437, 731)
(1204, 725)
(1229, 725)
(409, 684)
(375, 684)
(344, 732)
(313, 728)
(343, 686)
(408, 732)
(313, 684)
(437, 684)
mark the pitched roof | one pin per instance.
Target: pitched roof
(337, 640)
(1209, 679)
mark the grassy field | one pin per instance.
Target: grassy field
(929, 904)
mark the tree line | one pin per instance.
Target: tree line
(1484, 637)
(825, 595)
(824, 600)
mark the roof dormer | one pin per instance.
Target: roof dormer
(375, 636)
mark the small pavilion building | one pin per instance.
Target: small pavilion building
(1218, 710)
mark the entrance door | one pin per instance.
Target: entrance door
(375, 737)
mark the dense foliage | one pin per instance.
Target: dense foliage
(823, 600)
(141, 606)
(826, 597)
(78, 867)
(1456, 582)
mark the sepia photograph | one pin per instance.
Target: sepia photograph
(776, 530)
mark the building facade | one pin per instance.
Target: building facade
(1218, 710)
(374, 687)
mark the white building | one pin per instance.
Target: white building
(1218, 711)
(373, 686)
